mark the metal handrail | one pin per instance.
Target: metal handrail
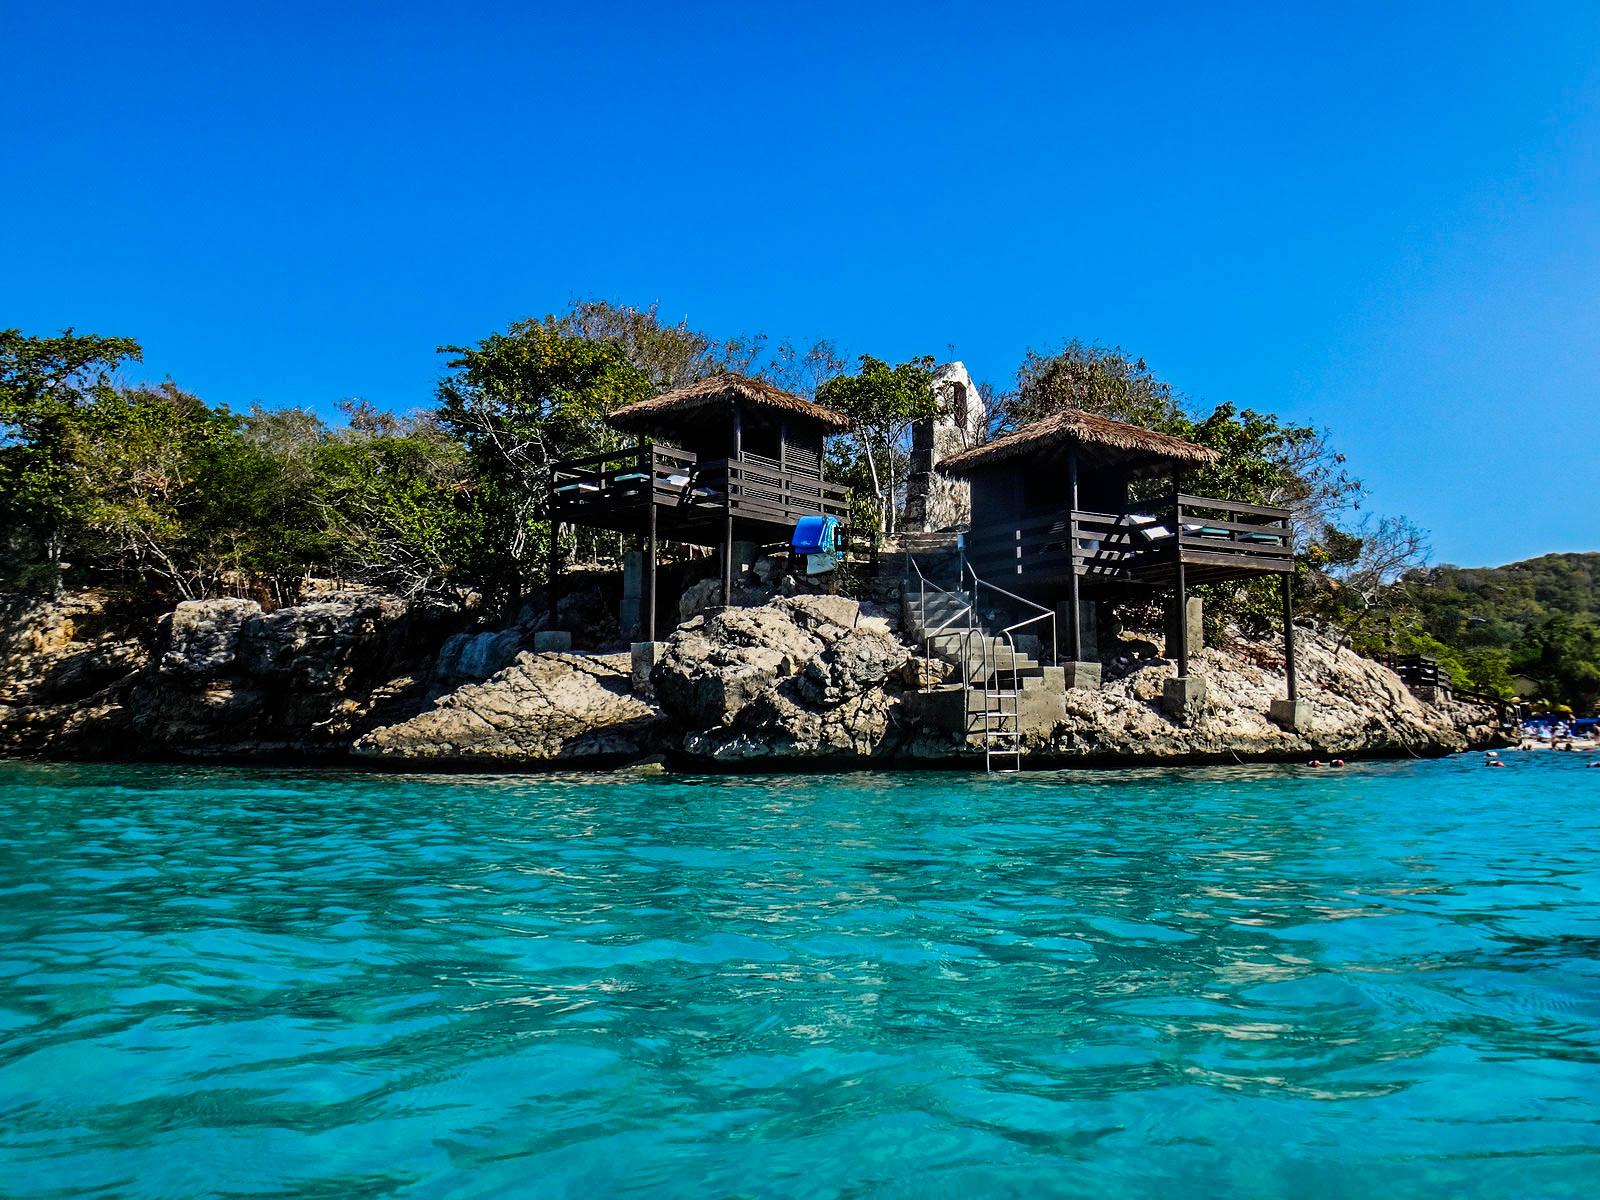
(966, 610)
(1055, 649)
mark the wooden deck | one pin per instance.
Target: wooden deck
(1214, 539)
(692, 500)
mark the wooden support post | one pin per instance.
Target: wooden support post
(1288, 632)
(1183, 591)
(650, 574)
(555, 570)
(1072, 555)
(1183, 621)
(727, 500)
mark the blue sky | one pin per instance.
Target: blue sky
(1381, 219)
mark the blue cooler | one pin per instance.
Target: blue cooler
(815, 535)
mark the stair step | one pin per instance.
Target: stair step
(978, 703)
(1004, 675)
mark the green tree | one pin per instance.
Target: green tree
(1098, 379)
(518, 402)
(160, 477)
(670, 355)
(395, 497)
(45, 385)
(883, 401)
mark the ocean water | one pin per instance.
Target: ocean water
(1243, 982)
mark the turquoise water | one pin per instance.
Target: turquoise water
(1271, 981)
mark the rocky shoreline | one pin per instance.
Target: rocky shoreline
(808, 682)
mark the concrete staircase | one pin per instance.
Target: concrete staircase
(998, 691)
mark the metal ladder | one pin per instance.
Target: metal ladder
(999, 741)
(999, 721)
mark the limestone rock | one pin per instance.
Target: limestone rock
(800, 676)
(66, 665)
(1355, 706)
(860, 660)
(473, 656)
(234, 681)
(544, 707)
(807, 677)
(314, 645)
(778, 724)
(203, 635)
(713, 666)
(919, 672)
(699, 597)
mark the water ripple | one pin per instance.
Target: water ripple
(1256, 981)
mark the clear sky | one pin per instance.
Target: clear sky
(1380, 221)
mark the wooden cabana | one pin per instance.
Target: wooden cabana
(725, 459)
(1057, 516)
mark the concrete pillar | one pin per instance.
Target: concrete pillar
(1293, 715)
(630, 617)
(744, 557)
(1088, 630)
(645, 657)
(1180, 697)
(1193, 626)
(1083, 672)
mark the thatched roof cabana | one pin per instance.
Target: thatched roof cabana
(670, 412)
(1099, 440)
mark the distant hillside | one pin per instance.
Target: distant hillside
(1539, 619)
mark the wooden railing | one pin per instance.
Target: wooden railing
(757, 487)
(1229, 532)
(751, 485)
(1418, 670)
(661, 474)
(1205, 531)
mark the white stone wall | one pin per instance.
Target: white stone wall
(934, 502)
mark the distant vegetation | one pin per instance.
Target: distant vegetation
(110, 482)
(1502, 628)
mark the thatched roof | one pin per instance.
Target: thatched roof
(1105, 439)
(667, 411)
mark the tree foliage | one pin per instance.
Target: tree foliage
(883, 401)
(1539, 619)
(518, 402)
(46, 383)
(1098, 379)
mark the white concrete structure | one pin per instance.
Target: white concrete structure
(932, 501)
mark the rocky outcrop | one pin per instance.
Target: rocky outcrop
(1356, 707)
(65, 669)
(469, 657)
(212, 678)
(806, 678)
(234, 681)
(543, 708)
(801, 676)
